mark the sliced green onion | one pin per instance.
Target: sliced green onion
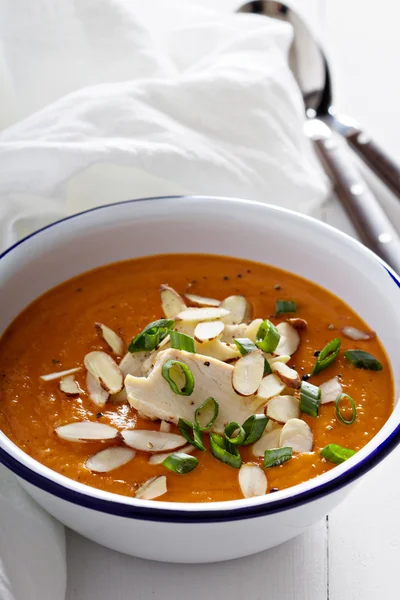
(277, 456)
(207, 412)
(151, 336)
(336, 454)
(224, 451)
(268, 336)
(285, 306)
(254, 428)
(339, 415)
(181, 463)
(246, 346)
(181, 341)
(177, 369)
(327, 356)
(310, 398)
(363, 360)
(239, 438)
(191, 433)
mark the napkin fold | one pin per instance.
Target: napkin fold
(110, 100)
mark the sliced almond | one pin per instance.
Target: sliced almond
(239, 310)
(356, 334)
(146, 440)
(273, 359)
(152, 488)
(132, 364)
(165, 427)
(252, 480)
(270, 439)
(157, 459)
(201, 301)
(120, 398)
(282, 408)
(289, 376)
(208, 330)
(83, 431)
(60, 374)
(296, 434)
(187, 327)
(248, 373)
(202, 314)
(105, 370)
(113, 340)
(69, 386)
(233, 331)
(219, 350)
(330, 390)
(289, 341)
(97, 394)
(297, 323)
(109, 459)
(172, 303)
(252, 330)
(270, 386)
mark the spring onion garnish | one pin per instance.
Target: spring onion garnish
(206, 414)
(363, 360)
(233, 428)
(181, 341)
(277, 456)
(268, 336)
(224, 451)
(254, 428)
(327, 356)
(336, 454)
(310, 398)
(192, 433)
(151, 336)
(245, 346)
(181, 463)
(339, 399)
(174, 371)
(285, 306)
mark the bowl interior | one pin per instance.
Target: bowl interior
(229, 227)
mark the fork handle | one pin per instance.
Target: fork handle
(376, 158)
(365, 212)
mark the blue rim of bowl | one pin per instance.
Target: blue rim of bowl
(196, 516)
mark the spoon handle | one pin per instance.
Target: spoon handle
(365, 212)
(376, 159)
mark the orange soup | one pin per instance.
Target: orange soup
(249, 379)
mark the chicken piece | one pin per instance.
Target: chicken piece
(153, 396)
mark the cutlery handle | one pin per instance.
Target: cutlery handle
(365, 212)
(376, 158)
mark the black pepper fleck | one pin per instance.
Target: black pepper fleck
(340, 376)
(306, 377)
(99, 415)
(206, 364)
(272, 490)
(239, 275)
(78, 289)
(277, 287)
(317, 352)
(55, 361)
(225, 277)
(249, 270)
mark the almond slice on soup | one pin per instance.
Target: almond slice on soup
(330, 390)
(252, 480)
(206, 331)
(289, 376)
(59, 374)
(289, 341)
(252, 330)
(69, 386)
(270, 386)
(112, 339)
(97, 394)
(85, 431)
(297, 435)
(152, 488)
(105, 370)
(146, 440)
(165, 427)
(202, 301)
(239, 310)
(282, 408)
(158, 459)
(172, 303)
(209, 313)
(268, 441)
(109, 459)
(356, 334)
(248, 373)
(132, 364)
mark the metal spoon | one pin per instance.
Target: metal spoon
(311, 72)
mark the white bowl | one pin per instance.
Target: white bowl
(213, 531)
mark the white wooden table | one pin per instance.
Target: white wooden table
(355, 553)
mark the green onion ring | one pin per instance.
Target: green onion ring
(212, 404)
(239, 438)
(189, 379)
(339, 415)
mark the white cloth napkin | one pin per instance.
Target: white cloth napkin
(109, 100)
